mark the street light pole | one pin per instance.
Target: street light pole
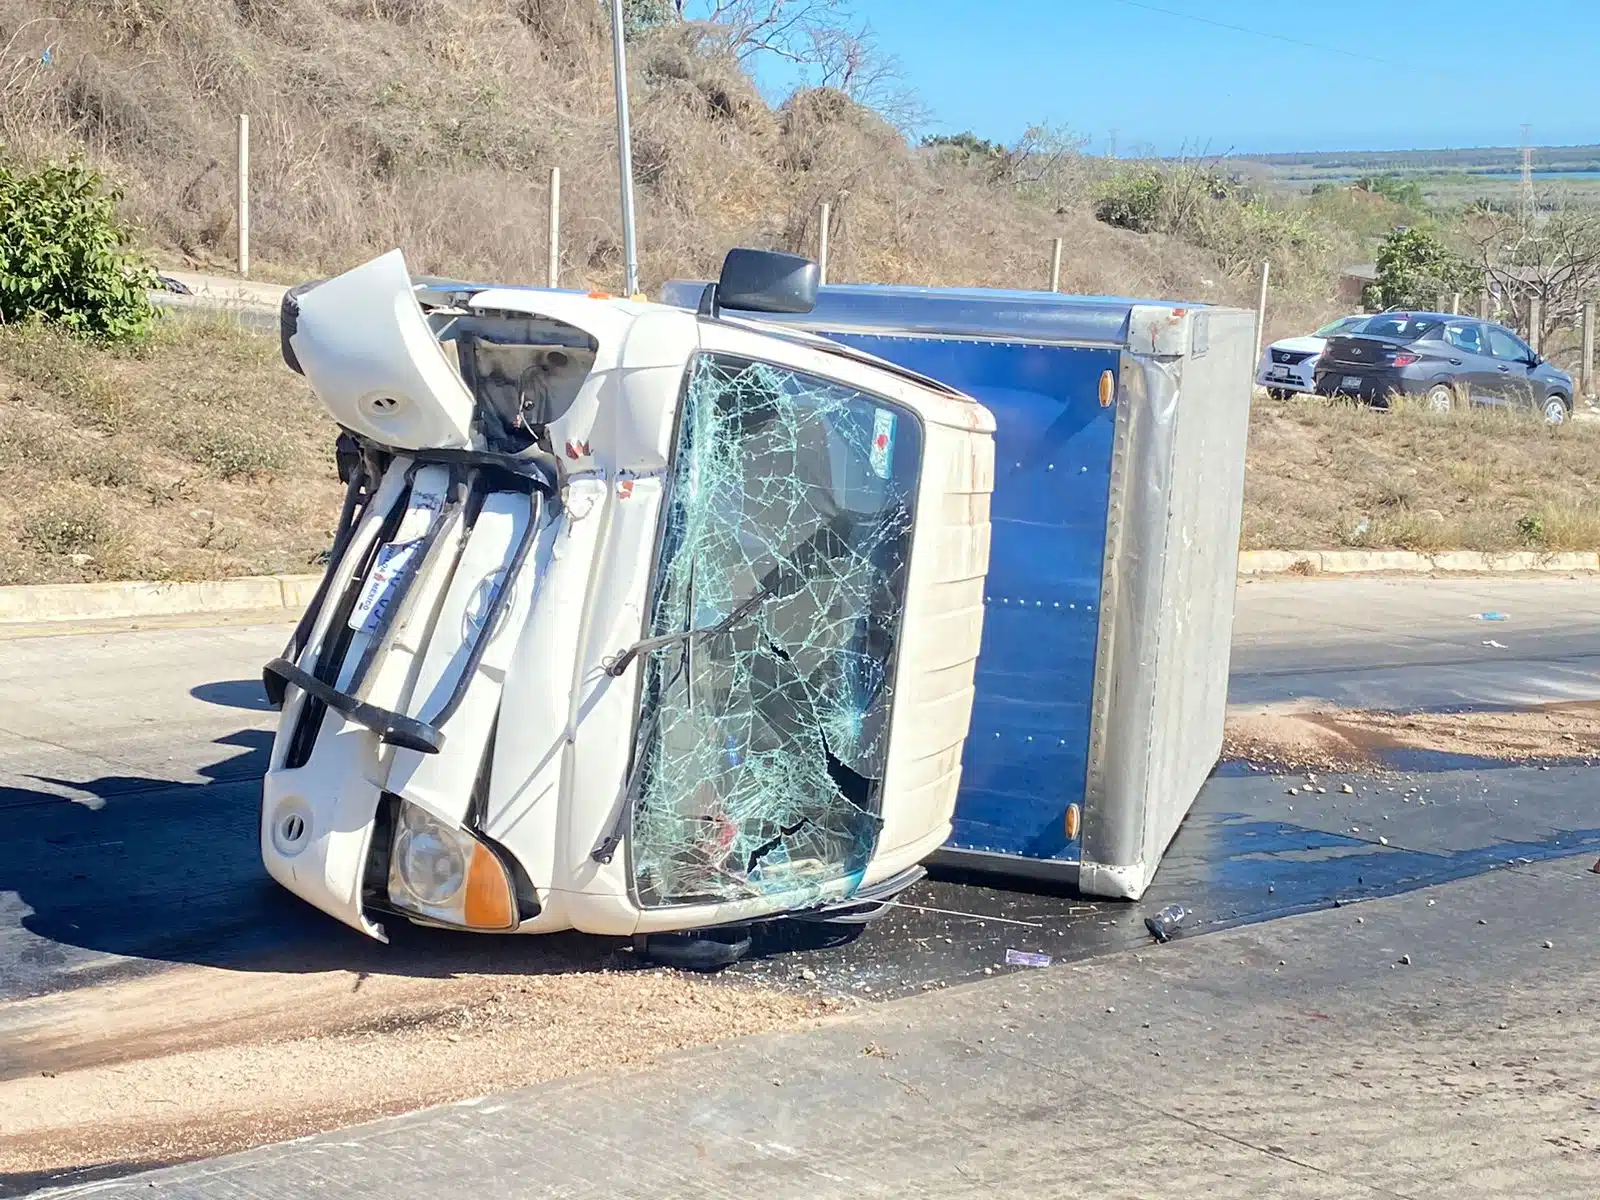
(630, 247)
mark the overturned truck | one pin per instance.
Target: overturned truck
(655, 618)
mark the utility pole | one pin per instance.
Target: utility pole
(619, 65)
(824, 218)
(1114, 133)
(1261, 309)
(1527, 171)
(242, 195)
(554, 274)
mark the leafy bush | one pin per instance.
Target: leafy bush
(66, 257)
(1414, 269)
(234, 452)
(66, 531)
(640, 15)
(1200, 205)
(1134, 199)
(1394, 187)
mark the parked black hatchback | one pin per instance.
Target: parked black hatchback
(1443, 358)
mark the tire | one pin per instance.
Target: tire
(1556, 408)
(1440, 398)
(1278, 393)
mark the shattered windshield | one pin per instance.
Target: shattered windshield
(760, 750)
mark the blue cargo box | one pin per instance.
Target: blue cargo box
(1119, 480)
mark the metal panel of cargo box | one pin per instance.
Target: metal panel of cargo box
(1102, 681)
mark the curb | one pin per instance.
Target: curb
(37, 603)
(1407, 562)
(48, 602)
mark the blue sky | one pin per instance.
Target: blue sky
(1451, 74)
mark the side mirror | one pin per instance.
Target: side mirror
(764, 281)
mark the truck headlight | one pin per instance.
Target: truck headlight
(446, 875)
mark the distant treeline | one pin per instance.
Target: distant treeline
(1493, 160)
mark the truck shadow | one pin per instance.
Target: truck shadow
(123, 870)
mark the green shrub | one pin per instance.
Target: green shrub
(234, 452)
(66, 257)
(1134, 198)
(1415, 268)
(66, 531)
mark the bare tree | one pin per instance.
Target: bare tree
(782, 28)
(1546, 252)
(822, 39)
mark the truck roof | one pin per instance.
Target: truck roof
(989, 313)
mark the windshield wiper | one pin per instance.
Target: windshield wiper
(618, 663)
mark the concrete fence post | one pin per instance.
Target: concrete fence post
(242, 195)
(1535, 322)
(1055, 265)
(1483, 305)
(1455, 304)
(1588, 349)
(824, 216)
(1439, 303)
(555, 227)
(1261, 311)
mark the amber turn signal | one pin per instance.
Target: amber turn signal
(489, 903)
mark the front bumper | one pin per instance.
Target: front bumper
(1286, 377)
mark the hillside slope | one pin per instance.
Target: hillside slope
(432, 124)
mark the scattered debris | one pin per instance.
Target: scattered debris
(1549, 945)
(1405, 960)
(1026, 958)
(1165, 923)
(1293, 738)
(1346, 789)
(1383, 841)
(1496, 645)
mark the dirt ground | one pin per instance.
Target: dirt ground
(200, 1061)
(1328, 475)
(1347, 740)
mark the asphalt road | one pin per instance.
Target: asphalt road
(130, 758)
(1438, 1043)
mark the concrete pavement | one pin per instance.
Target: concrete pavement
(130, 759)
(128, 778)
(1424, 1045)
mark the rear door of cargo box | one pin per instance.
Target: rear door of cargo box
(1026, 755)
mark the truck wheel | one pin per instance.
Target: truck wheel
(1278, 393)
(1441, 398)
(1555, 410)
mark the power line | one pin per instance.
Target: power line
(1260, 33)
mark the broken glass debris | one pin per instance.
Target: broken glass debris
(761, 745)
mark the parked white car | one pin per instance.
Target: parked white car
(1290, 365)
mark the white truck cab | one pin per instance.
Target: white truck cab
(639, 619)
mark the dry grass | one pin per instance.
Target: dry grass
(431, 125)
(1329, 474)
(200, 456)
(196, 456)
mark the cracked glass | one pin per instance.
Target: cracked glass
(763, 735)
